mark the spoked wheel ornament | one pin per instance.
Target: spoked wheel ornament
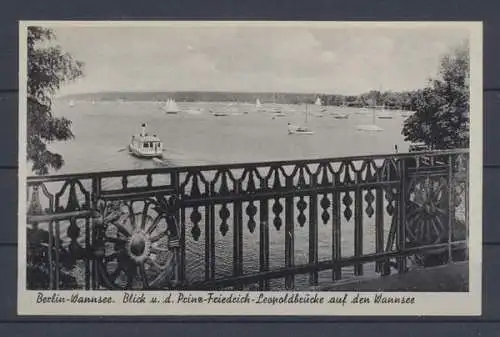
(427, 211)
(137, 244)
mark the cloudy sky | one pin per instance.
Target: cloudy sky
(218, 57)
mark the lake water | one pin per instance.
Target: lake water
(102, 130)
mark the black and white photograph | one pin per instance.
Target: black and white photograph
(250, 168)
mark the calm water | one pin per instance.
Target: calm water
(102, 130)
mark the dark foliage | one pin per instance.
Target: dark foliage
(48, 68)
(39, 267)
(441, 120)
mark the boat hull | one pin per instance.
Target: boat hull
(137, 153)
(306, 133)
(300, 132)
(369, 128)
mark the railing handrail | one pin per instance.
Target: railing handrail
(242, 165)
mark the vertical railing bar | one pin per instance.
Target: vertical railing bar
(379, 225)
(51, 256)
(336, 235)
(264, 237)
(212, 234)
(237, 236)
(209, 213)
(208, 236)
(313, 231)
(401, 209)
(96, 191)
(87, 255)
(181, 219)
(358, 229)
(57, 250)
(289, 234)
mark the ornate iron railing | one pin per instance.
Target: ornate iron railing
(246, 226)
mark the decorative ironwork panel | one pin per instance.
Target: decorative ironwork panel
(133, 229)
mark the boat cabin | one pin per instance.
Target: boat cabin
(145, 145)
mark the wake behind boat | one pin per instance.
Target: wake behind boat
(146, 146)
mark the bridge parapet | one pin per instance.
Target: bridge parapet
(247, 226)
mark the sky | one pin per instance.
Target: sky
(260, 58)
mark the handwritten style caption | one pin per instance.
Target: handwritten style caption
(259, 298)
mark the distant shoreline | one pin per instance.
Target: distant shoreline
(391, 100)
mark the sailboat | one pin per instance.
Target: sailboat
(171, 107)
(322, 109)
(370, 127)
(276, 109)
(232, 109)
(223, 112)
(258, 105)
(340, 114)
(71, 103)
(300, 130)
(384, 114)
(193, 111)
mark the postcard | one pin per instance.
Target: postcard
(250, 168)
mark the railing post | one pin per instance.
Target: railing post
(401, 209)
(289, 233)
(451, 207)
(466, 204)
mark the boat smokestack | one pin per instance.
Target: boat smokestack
(143, 129)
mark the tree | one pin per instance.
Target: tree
(441, 119)
(49, 67)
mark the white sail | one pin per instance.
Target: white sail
(318, 101)
(171, 106)
(71, 103)
(258, 105)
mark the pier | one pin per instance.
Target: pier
(133, 229)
